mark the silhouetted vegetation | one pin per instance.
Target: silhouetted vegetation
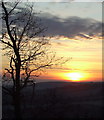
(26, 47)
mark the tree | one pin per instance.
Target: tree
(26, 47)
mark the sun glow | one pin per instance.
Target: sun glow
(74, 76)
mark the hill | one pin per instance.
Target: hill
(59, 100)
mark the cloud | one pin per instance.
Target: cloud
(72, 26)
(56, 0)
(84, 36)
(68, 27)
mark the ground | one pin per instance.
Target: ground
(59, 100)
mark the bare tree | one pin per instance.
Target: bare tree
(25, 46)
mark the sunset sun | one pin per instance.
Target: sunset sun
(74, 76)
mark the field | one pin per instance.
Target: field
(53, 100)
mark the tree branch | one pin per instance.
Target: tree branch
(7, 43)
(13, 8)
(12, 72)
(7, 24)
(31, 57)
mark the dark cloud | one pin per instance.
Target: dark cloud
(84, 36)
(69, 27)
(72, 26)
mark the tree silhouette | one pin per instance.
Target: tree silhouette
(26, 47)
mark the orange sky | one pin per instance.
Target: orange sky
(86, 62)
(86, 58)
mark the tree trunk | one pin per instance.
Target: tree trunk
(17, 100)
(17, 105)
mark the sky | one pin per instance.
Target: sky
(76, 31)
(58, 0)
(76, 28)
(68, 0)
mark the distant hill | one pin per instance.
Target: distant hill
(59, 100)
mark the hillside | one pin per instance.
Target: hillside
(59, 100)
